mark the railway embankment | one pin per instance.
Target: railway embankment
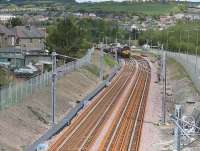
(26, 121)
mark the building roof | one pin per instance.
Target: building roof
(6, 31)
(28, 32)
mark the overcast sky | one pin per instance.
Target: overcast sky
(120, 0)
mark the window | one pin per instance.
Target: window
(17, 41)
(31, 40)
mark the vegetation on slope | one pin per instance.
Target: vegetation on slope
(127, 7)
(183, 36)
(108, 60)
(141, 9)
(4, 77)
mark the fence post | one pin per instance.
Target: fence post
(116, 55)
(21, 91)
(164, 85)
(9, 93)
(53, 86)
(1, 98)
(178, 112)
(31, 86)
(101, 63)
(16, 98)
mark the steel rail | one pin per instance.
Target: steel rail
(70, 137)
(137, 117)
(94, 131)
(127, 124)
(85, 128)
(141, 91)
(88, 115)
(124, 111)
(86, 110)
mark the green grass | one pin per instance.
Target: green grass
(108, 60)
(126, 7)
(179, 71)
(147, 8)
(93, 69)
(4, 77)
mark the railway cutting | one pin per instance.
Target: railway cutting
(113, 119)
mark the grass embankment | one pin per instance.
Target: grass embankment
(178, 70)
(4, 77)
(108, 61)
(179, 73)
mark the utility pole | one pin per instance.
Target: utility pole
(178, 114)
(101, 62)
(116, 54)
(53, 86)
(164, 85)
(129, 41)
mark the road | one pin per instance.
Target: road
(114, 118)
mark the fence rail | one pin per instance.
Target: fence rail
(16, 93)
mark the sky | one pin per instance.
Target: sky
(121, 0)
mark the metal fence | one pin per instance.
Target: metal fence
(16, 93)
(191, 64)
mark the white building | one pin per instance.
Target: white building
(5, 17)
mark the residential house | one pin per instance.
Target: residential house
(7, 37)
(29, 38)
(6, 17)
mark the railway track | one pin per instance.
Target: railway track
(113, 120)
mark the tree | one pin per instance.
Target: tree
(71, 35)
(65, 37)
(14, 22)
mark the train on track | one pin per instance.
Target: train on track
(123, 52)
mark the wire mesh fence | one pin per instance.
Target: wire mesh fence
(15, 93)
(191, 64)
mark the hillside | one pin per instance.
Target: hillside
(147, 8)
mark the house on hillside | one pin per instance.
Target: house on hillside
(29, 39)
(7, 37)
(6, 17)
